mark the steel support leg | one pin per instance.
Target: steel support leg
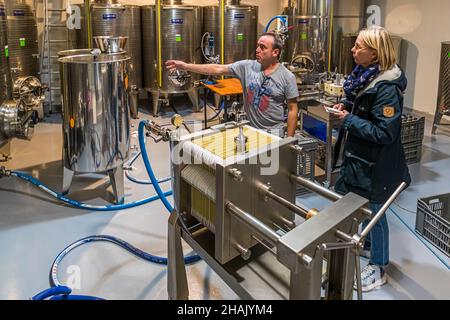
(177, 286)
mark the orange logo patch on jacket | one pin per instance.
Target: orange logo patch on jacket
(388, 111)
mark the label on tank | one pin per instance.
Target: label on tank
(6, 51)
(2, 12)
(109, 16)
(178, 38)
(239, 16)
(448, 54)
(240, 37)
(22, 42)
(18, 13)
(304, 36)
(303, 21)
(176, 21)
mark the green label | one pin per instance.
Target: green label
(6, 51)
(304, 36)
(22, 42)
(448, 54)
(240, 37)
(178, 38)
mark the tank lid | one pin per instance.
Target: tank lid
(106, 1)
(232, 2)
(172, 2)
(90, 59)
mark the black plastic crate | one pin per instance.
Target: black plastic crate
(413, 152)
(413, 128)
(433, 221)
(306, 159)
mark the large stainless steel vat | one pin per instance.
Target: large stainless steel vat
(314, 22)
(22, 39)
(148, 18)
(96, 116)
(241, 22)
(348, 18)
(181, 31)
(113, 19)
(5, 72)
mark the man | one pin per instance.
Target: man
(268, 86)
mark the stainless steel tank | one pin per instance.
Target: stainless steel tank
(319, 28)
(114, 19)
(309, 36)
(96, 116)
(181, 30)
(241, 23)
(22, 39)
(5, 72)
(348, 20)
(443, 98)
(148, 18)
(346, 62)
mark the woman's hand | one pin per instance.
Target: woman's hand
(343, 114)
(339, 107)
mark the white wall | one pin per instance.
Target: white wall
(424, 24)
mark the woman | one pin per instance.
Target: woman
(373, 160)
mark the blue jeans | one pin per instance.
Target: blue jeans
(377, 240)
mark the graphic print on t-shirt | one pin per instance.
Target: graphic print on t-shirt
(258, 94)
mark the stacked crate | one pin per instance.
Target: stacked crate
(413, 128)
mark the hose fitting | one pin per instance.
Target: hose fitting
(4, 172)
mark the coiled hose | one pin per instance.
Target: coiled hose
(59, 292)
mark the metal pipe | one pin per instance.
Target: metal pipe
(327, 193)
(87, 21)
(383, 209)
(158, 41)
(310, 185)
(222, 32)
(253, 222)
(298, 210)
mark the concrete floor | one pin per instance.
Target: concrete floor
(34, 228)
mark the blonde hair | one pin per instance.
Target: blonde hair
(379, 39)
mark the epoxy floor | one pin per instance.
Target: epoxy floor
(34, 228)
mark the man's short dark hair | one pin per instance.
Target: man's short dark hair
(277, 42)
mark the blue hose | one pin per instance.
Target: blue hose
(139, 181)
(148, 167)
(85, 206)
(53, 291)
(283, 19)
(59, 292)
(54, 282)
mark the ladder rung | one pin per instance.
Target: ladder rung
(55, 88)
(56, 41)
(56, 25)
(56, 10)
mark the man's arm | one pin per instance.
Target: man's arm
(292, 117)
(208, 69)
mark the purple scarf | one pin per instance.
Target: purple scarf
(358, 79)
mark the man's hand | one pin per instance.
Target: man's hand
(173, 65)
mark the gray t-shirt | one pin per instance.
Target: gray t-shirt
(265, 97)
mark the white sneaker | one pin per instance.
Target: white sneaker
(365, 254)
(372, 277)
